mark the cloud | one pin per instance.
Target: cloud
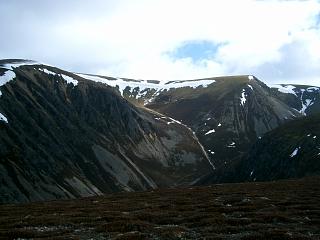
(142, 39)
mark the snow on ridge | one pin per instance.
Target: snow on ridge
(47, 71)
(6, 77)
(3, 118)
(250, 77)
(16, 64)
(122, 85)
(312, 89)
(189, 83)
(210, 131)
(284, 88)
(65, 77)
(295, 152)
(69, 79)
(144, 84)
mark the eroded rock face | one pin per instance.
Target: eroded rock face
(67, 137)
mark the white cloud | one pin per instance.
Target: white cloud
(132, 38)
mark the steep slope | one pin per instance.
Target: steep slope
(290, 151)
(306, 99)
(62, 136)
(227, 116)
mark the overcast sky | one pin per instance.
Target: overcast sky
(278, 41)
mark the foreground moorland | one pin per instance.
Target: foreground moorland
(286, 209)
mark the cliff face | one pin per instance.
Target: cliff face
(62, 136)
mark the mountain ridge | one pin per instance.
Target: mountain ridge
(66, 138)
(102, 134)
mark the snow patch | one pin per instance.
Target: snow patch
(189, 83)
(13, 65)
(295, 152)
(284, 88)
(212, 152)
(47, 71)
(250, 77)
(144, 85)
(243, 97)
(305, 104)
(69, 79)
(210, 131)
(3, 118)
(219, 125)
(250, 87)
(65, 77)
(232, 145)
(312, 89)
(6, 77)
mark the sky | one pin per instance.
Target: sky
(277, 41)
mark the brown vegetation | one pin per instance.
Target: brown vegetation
(276, 210)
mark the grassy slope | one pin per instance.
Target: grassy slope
(275, 210)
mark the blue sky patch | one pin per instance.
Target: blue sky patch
(196, 50)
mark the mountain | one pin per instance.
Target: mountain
(63, 136)
(67, 135)
(227, 114)
(289, 151)
(306, 99)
